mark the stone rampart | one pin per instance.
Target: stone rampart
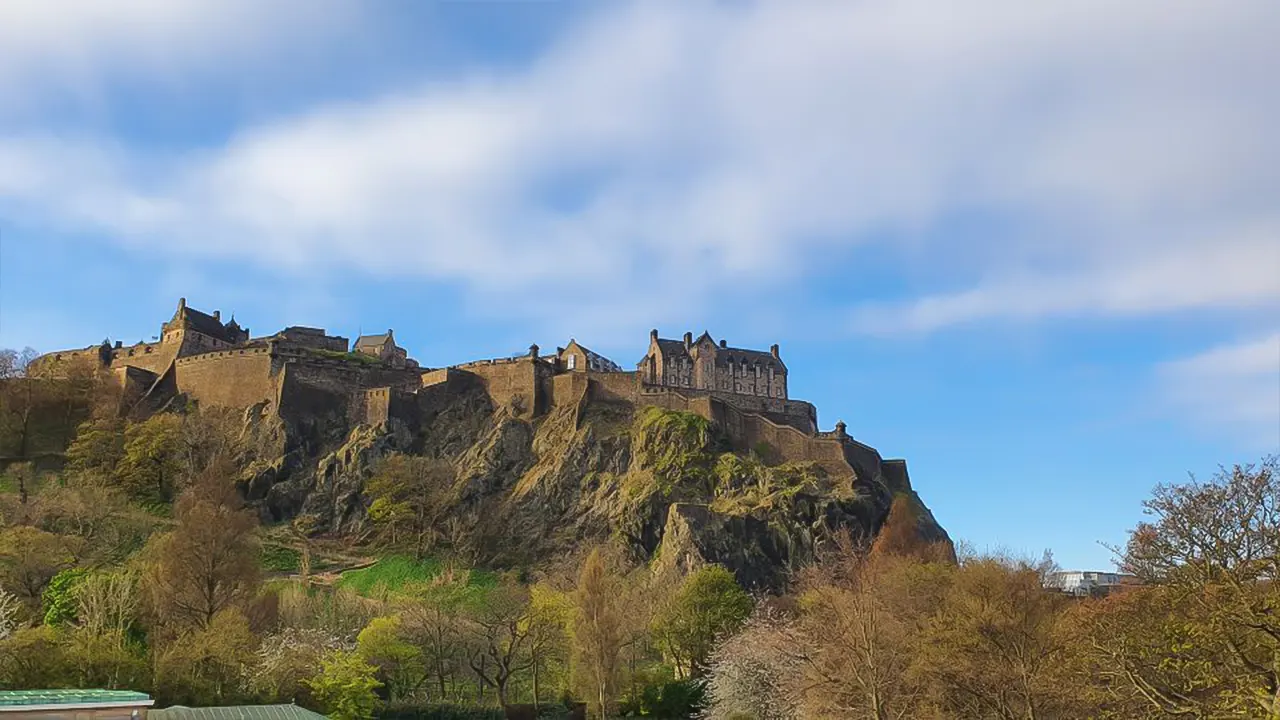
(749, 431)
(673, 400)
(614, 386)
(566, 388)
(153, 357)
(307, 391)
(513, 382)
(226, 378)
(379, 405)
(443, 376)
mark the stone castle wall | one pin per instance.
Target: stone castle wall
(307, 378)
(154, 357)
(227, 378)
(513, 382)
(567, 388)
(750, 431)
(615, 386)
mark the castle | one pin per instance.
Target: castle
(304, 373)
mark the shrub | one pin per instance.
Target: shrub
(279, 558)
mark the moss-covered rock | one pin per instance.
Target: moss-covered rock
(530, 492)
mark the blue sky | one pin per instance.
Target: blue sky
(1034, 248)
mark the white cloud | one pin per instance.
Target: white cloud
(51, 47)
(661, 152)
(1231, 272)
(1233, 387)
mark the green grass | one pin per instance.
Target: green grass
(278, 558)
(428, 577)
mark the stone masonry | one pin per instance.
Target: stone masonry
(301, 371)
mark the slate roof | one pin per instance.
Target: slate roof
(205, 323)
(599, 359)
(672, 348)
(240, 712)
(675, 349)
(372, 340)
(16, 700)
(751, 356)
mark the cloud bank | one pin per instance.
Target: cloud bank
(661, 156)
(1234, 387)
(721, 142)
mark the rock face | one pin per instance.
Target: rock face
(530, 491)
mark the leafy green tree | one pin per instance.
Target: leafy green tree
(672, 699)
(407, 497)
(152, 462)
(107, 660)
(34, 657)
(708, 605)
(550, 614)
(345, 687)
(382, 644)
(97, 448)
(205, 666)
(59, 597)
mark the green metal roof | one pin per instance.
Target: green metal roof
(11, 698)
(241, 712)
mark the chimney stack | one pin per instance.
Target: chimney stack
(688, 340)
(533, 351)
(773, 350)
(653, 335)
(217, 315)
(724, 343)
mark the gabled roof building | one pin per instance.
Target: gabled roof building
(704, 364)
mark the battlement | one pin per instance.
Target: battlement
(217, 354)
(215, 362)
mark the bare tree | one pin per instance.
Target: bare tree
(209, 562)
(502, 635)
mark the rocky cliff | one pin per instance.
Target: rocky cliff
(531, 490)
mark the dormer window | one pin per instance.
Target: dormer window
(572, 362)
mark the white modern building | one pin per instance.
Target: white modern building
(1088, 582)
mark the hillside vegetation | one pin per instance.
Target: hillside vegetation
(609, 557)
